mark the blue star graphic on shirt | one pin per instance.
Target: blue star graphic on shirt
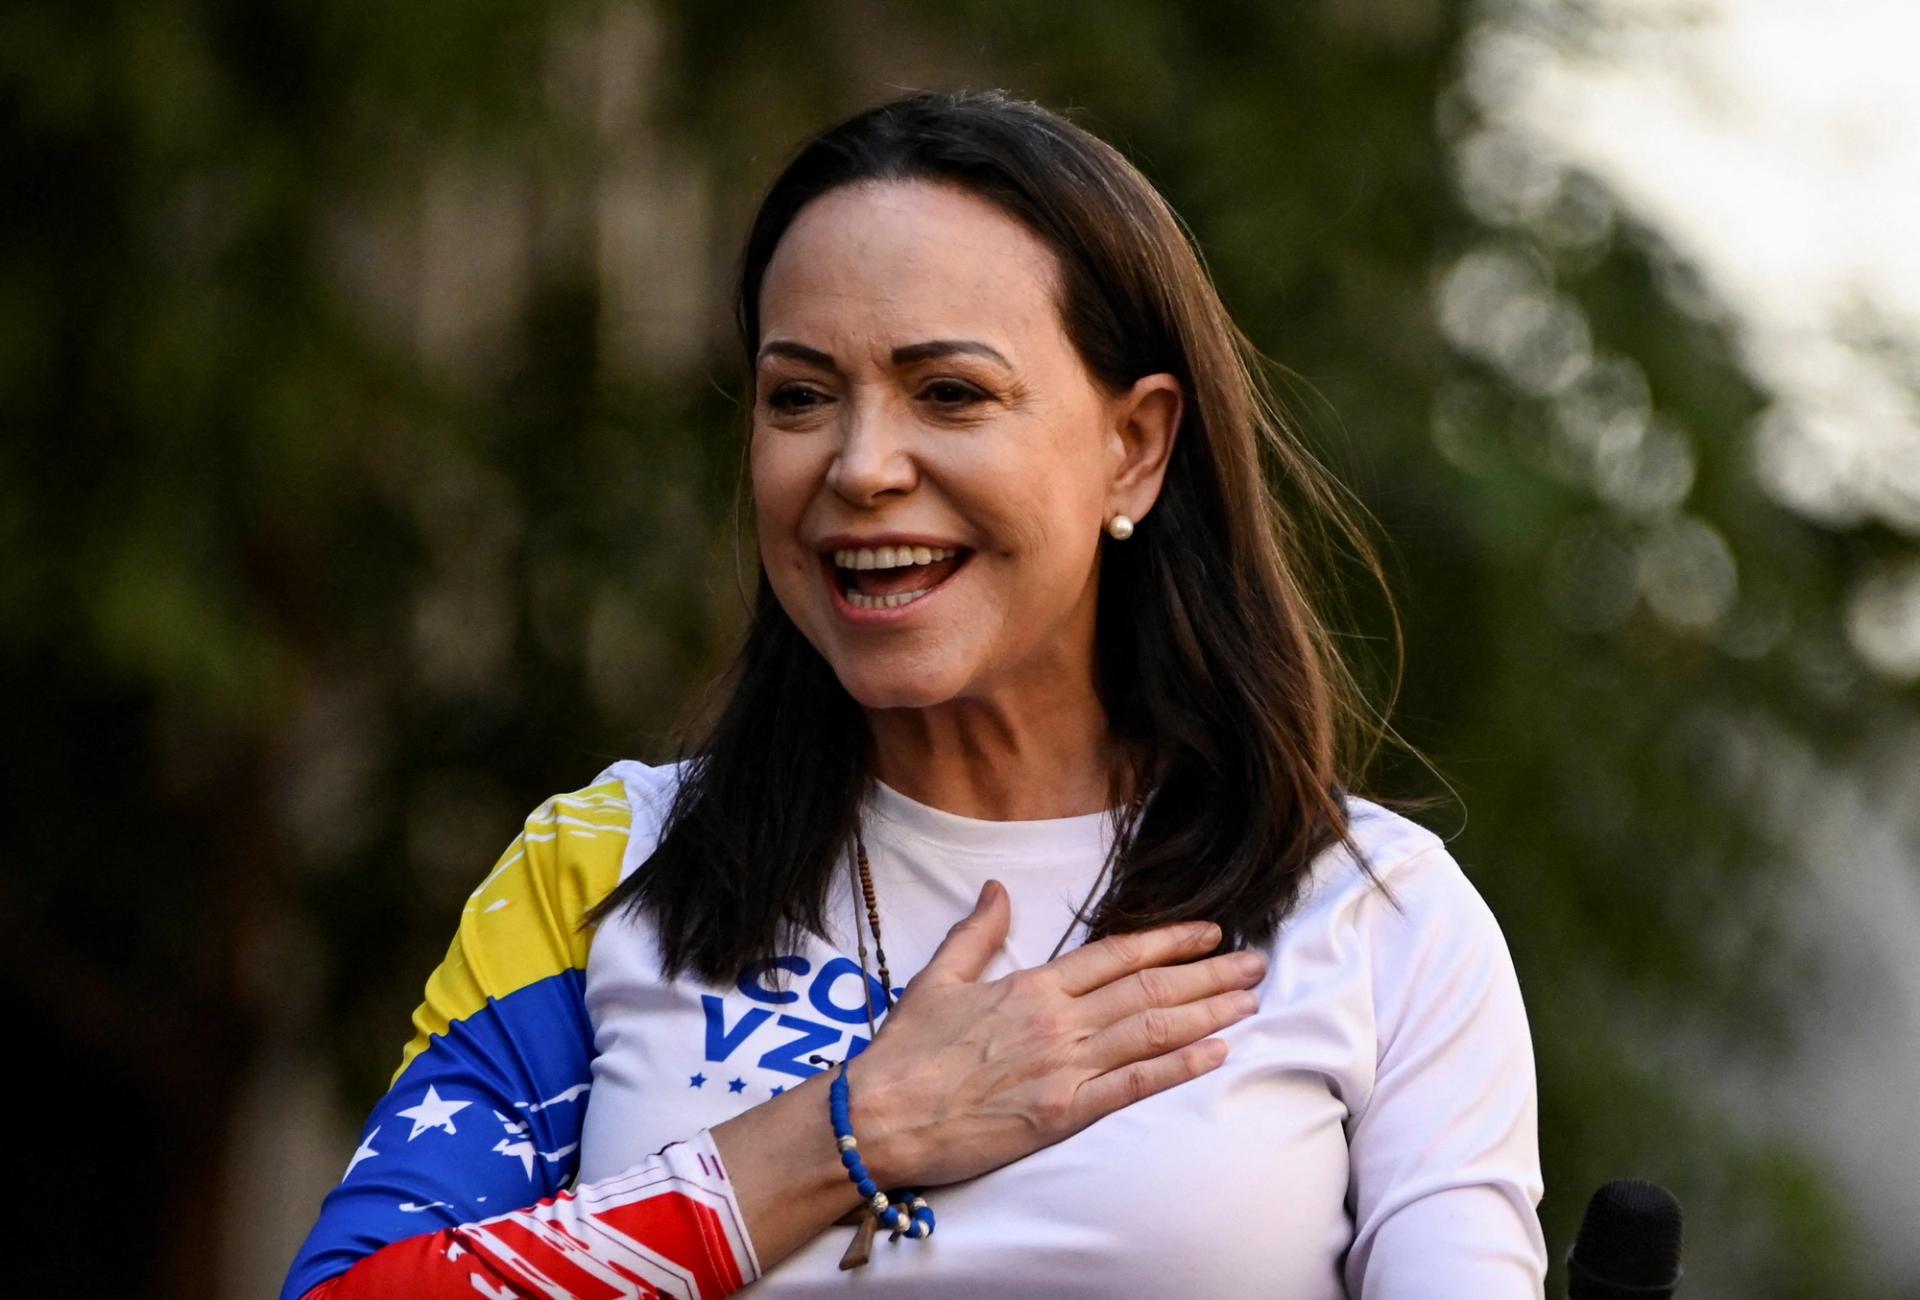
(737, 1085)
(777, 1090)
(696, 1080)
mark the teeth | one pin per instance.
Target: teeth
(891, 557)
(860, 600)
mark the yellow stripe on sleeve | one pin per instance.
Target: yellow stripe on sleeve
(522, 924)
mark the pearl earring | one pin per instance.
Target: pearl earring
(1120, 528)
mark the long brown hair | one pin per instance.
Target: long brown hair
(1216, 669)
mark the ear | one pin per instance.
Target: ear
(1142, 424)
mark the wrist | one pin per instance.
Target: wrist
(903, 1212)
(885, 1147)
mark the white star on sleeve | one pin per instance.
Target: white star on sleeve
(434, 1111)
(516, 1143)
(365, 1152)
(519, 1146)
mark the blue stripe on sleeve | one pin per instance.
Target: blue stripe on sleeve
(486, 1120)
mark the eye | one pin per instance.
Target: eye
(952, 393)
(793, 399)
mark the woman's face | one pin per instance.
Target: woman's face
(932, 463)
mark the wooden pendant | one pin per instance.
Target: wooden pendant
(860, 1249)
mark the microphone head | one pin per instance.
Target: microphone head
(1629, 1243)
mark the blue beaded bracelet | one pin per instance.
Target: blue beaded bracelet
(892, 1214)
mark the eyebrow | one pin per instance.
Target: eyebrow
(913, 352)
(902, 356)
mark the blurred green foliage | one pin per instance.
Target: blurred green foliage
(367, 464)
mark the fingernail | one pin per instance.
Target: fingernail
(1249, 963)
(1246, 1002)
(1208, 931)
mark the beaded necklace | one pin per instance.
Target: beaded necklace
(861, 1247)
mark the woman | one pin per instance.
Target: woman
(1030, 654)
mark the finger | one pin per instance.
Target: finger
(1167, 986)
(1159, 1030)
(972, 941)
(1117, 1088)
(1117, 955)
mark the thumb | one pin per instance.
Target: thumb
(973, 940)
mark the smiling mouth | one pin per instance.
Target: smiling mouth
(888, 577)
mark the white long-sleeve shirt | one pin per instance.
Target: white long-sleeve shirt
(1372, 1132)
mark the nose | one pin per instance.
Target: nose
(875, 456)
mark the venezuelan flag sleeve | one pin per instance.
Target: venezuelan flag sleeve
(458, 1185)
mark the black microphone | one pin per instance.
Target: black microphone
(1629, 1244)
